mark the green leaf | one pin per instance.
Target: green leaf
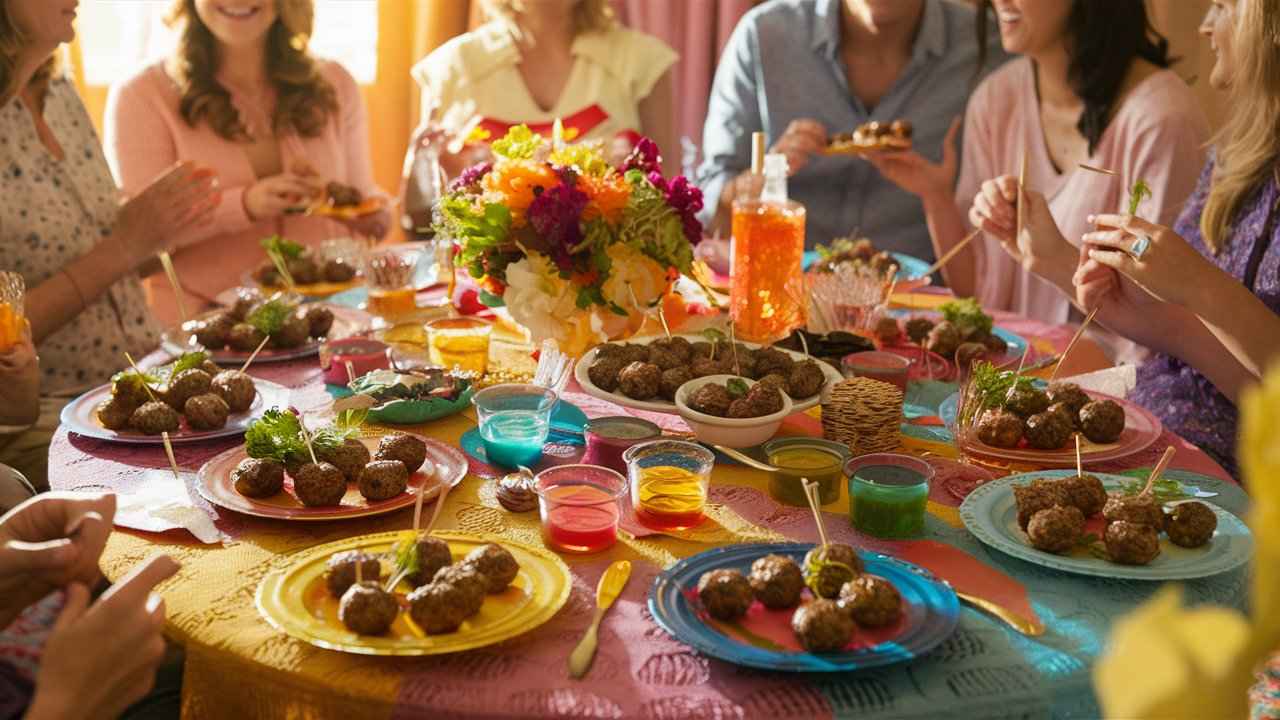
(993, 385)
(276, 435)
(737, 387)
(286, 248)
(967, 315)
(270, 316)
(520, 143)
(1141, 191)
(714, 335)
(488, 299)
(407, 559)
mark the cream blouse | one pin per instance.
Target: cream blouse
(54, 211)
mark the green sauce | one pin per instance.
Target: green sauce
(888, 501)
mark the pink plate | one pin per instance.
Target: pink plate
(80, 418)
(445, 465)
(1141, 429)
(346, 323)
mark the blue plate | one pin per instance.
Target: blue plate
(990, 514)
(909, 267)
(931, 608)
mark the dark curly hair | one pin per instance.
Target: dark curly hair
(305, 100)
(1104, 37)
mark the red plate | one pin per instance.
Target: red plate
(447, 466)
(1141, 429)
(80, 418)
(346, 323)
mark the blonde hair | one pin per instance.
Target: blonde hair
(11, 44)
(305, 100)
(588, 15)
(1248, 146)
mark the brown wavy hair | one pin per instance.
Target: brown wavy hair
(304, 99)
(11, 44)
(588, 15)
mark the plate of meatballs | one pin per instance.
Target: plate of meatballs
(646, 375)
(1087, 524)
(357, 478)
(454, 591)
(803, 608)
(196, 404)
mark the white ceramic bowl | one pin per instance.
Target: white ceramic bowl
(730, 432)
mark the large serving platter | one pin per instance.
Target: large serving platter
(346, 323)
(79, 417)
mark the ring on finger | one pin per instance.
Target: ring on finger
(1140, 246)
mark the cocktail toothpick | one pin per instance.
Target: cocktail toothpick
(167, 263)
(1074, 339)
(811, 494)
(168, 451)
(1021, 363)
(417, 536)
(948, 255)
(351, 371)
(306, 438)
(1079, 464)
(1099, 170)
(733, 347)
(141, 376)
(1158, 470)
(1022, 182)
(254, 355)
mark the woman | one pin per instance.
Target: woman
(1090, 88)
(61, 227)
(541, 60)
(1206, 294)
(241, 95)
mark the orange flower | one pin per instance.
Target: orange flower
(608, 195)
(514, 181)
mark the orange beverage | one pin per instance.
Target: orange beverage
(11, 325)
(459, 344)
(767, 298)
(391, 303)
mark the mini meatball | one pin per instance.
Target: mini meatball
(496, 564)
(130, 388)
(319, 319)
(1036, 496)
(871, 601)
(433, 554)
(901, 129)
(826, 571)
(702, 367)
(155, 417)
(337, 270)
(367, 609)
(470, 582)
(1085, 493)
(1026, 401)
(246, 299)
(319, 484)
(206, 412)
(776, 581)
(775, 381)
(759, 401)
(1190, 524)
(640, 380)
(350, 457)
(303, 270)
(244, 337)
(439, 608)
(1102, 421)
(258, 478)
(968, 353)
(605, 350)
(1068, 417)
(1137, 509)
(604, 371)
(406, 448)
(340, 194)
(1068, 394)
(725, 594)
(822, 626)
(943, 339)
(213, 332)
(1131, 543)
(187, 384)
(1047, 431)
(663, 358)
(236, 388)
(806, 379)
(675, 345)
(210, 367)
(1000, 428)
(888, 331)
(772, 360)
(672, 380)
(635, 353)
(382, 479)
(293, 332)
(1056, 529)
(995, 344)
(340, 571)
(711, 399)
(918, 329)
(884, 263)
(114, 413)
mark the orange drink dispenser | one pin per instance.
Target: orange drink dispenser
(12, 315)
(767, 297)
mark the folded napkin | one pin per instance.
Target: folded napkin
(161, 503)
(1115, 381)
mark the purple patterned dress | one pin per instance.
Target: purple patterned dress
(1184, 399)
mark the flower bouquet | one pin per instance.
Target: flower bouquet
(578, 250)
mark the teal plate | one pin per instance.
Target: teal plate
(411, 412)
(989, 513)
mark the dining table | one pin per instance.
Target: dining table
(238, 665)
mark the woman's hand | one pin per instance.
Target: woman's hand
(271, 196)
(1169, 269)
(20, 382)
(102, 658)
(911, 172)
(803, 139)
(373, 225)
(1041, 248)
(182, 196)
(50, 541)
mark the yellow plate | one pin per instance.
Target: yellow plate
(316, 290)
(296, 602)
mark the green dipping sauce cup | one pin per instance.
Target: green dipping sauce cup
(797, 458)
(888, 493)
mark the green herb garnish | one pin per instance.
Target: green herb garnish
(276, 435)
(405, 551)
(816, 569)
(967, 315)
(1141, 191)
(270, 316)
(1164, 489)
(737, 387)
(993, 385)
(285, 248)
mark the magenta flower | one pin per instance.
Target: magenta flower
(644, 157)
(555, 214)
(469, 180)
(686, 200)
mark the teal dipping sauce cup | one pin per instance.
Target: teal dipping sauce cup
(888, 493)
(514, 420)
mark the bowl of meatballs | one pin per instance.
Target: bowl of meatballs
(646, 375)
(1094, 524)
(822, 608)
(453, 591)
(732, 411)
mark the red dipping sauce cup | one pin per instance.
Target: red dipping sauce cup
(609, 437)
(882, 366)
(579, 506)
(363, 354)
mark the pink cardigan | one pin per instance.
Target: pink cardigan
(1158, 134)
(145, 134)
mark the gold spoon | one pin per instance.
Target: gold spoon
(1030, 628)
(611, 583)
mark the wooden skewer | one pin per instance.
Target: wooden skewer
(254, 356)
(1022, 182)
(141, 376)
(351, 371)
(1079, 464)
(1159, 469)
(948, 255)
(167, 263)
(1021, 363)
(168, 450)
(417, 515)
(1074, 339)
(306, 438)
(1100, 171)
(811, 494)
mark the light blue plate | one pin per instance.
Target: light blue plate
(567, 421)
(931, 608)
(909, 267)
(990, 514)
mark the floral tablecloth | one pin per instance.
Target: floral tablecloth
(238, 666)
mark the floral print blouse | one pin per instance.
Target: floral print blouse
(54, 211)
